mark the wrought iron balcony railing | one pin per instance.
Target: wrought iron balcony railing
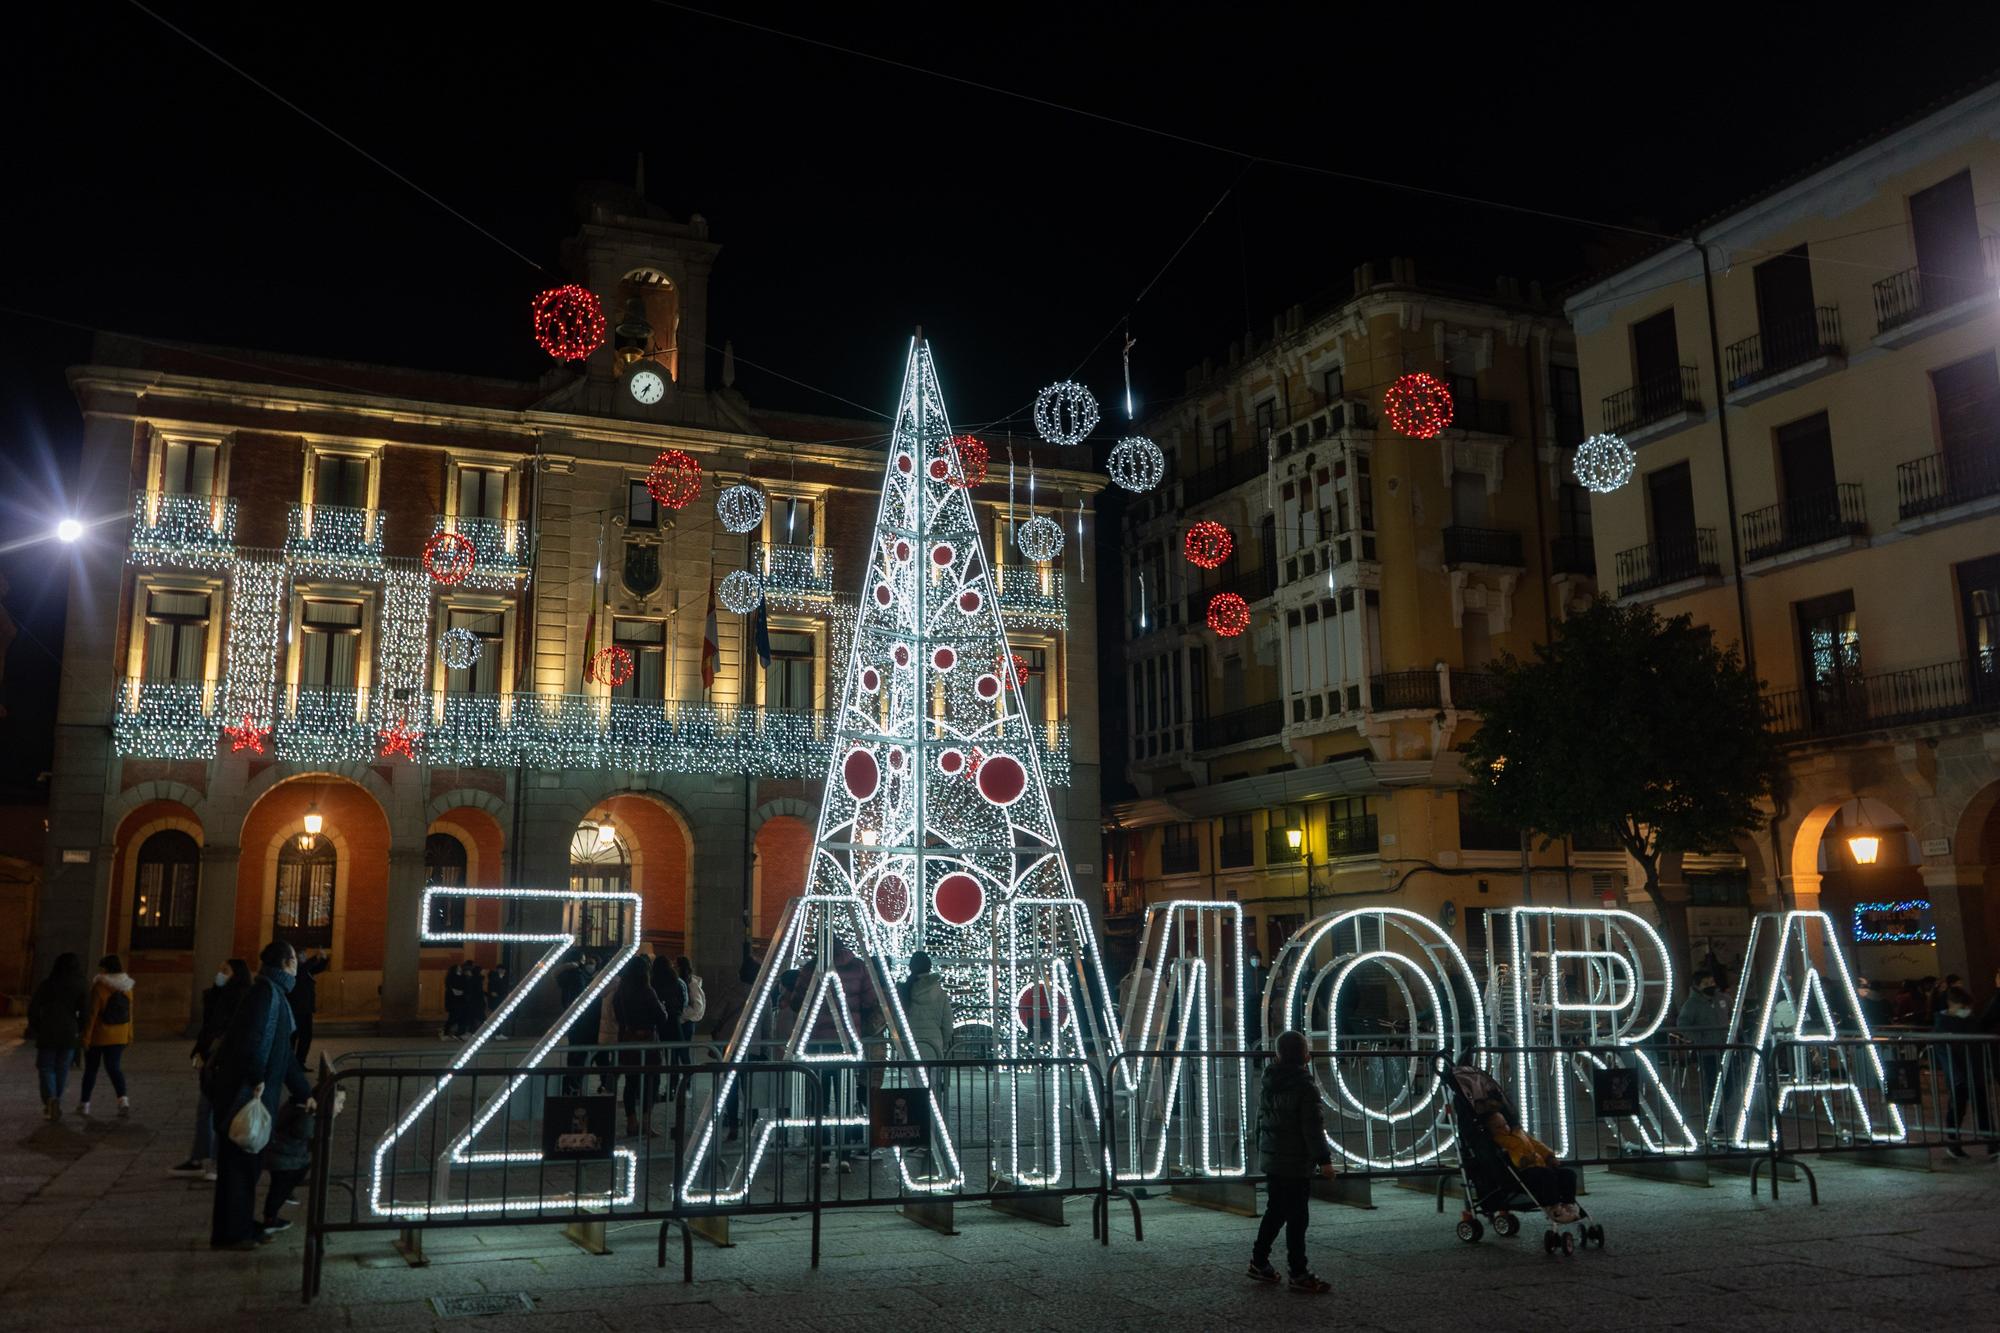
(1846, 704)
(335, 535)
(500, 546)
(800, 572)
(1356, 835)
(1804, 520)
(1902, 298)
(1652, 399)
(1657, 564)
(1788, 343)
(1033, 596)
(1471, 689)
(1482, 546)
(172, 528)
(1240, 725)
(1943, 480)
(1399, 691)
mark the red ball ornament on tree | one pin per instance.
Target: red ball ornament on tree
(1208, 544)
(569, 322)
(1228, 614)
(972, 460)
(1418, 405)
(674, 479)
(449, 558)
(612, 666)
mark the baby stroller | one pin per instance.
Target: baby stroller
(1493, 1188)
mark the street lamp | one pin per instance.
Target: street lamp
(1864, 843)
(314, 822)
(69, 530)
(606, 835)
(1296, 838)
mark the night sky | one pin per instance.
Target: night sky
(157, 192)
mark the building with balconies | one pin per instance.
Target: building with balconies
(1313, 759)
(356, 630)
(1820, 483)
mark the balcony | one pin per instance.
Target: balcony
(1240, 726)
(1354, 836)
(793, 573)
(1573, 554)
(1675, 560)
(500, 549)
(1803, 521)
(1472, 689)
(335, 536)
(1790, 352)
(175, 529)
(1032, 596)
(1913, 304)
(550, 732)
(1345, 414)
(1405, 691)
(1944, 481)
(1654, 406)
(1483, 546)
(1213, 480)
(1844, 706)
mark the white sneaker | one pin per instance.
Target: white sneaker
(124, 1108)
(83, 1108)
(208, 1174)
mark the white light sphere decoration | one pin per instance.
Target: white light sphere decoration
(1603, 463)
(739, 508)
(460, 648)
(1065, 413)
(1040, 539)
(1136, 463)
(740, 591)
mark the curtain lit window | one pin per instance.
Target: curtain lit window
(304, 913)
(163, 893)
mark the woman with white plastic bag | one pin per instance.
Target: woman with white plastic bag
(254, 1066)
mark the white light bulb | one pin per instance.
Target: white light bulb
(69, 530)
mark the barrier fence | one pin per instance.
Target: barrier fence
(418, 1144)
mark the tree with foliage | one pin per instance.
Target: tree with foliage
(1632, 725)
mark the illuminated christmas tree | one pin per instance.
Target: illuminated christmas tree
(936, 831)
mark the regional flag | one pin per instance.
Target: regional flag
(709, 650)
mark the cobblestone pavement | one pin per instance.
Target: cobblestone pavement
(95, 1234)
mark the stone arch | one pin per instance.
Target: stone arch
(477, 827)
(659, 839)
(459, 798)
(781, 862)
(361, 775)
(129, 834)
(123, 804)
(357, 825)
(806, 812)
(1969, 830)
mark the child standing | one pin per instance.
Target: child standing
(1292, 1148)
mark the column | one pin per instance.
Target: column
(214, 918)
(400, 951)
(1964, 941)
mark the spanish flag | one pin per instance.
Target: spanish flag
(709, 651)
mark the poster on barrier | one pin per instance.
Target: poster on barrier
(578, 1129)
(899, 1117)
(1904, 1085)
(1616, 1091)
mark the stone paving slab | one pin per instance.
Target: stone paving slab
(95, 1234)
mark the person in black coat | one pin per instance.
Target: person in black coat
(255, 1060)
(673, 993)
(305, 1002)
(571, 979)
(218, 1006)
(641, 1018)
(55, 1022)
(499, 985)
(475, 999)
(454, 999)
(1966, 1069)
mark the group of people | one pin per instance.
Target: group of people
(471, 993)
(74, 1022)
(656, 999)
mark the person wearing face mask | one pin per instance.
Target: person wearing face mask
(218, 1006)
(1966, 1074)
(256, 1059)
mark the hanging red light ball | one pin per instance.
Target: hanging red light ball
(674, 479)
(449, 558)
(569, 322)
(1208, 544)
(1228, 614)
(612, 666)
(972, 460)
(1418, 405)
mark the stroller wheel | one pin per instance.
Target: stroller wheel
(1551, 1242)
(1568, 1243)
(1506, 1223)
(1595, 1235)
(1469, 1230)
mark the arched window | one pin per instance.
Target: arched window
(304, 913)
(444, 864)
(163, 891)
(598, 863)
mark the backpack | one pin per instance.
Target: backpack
(117, 1009)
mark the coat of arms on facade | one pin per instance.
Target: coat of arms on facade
(642, 567)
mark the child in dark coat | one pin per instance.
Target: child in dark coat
(288, 1157)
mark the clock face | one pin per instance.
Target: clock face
(647, 386)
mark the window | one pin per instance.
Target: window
(1350, 827)
(304, 912)
(1573, 511)
(444, 866)
(646, 640)
(1805, 461)
(597, 864)
(1236, 849)
(1180, 850)
(1219, 437)
(1034, 669)
(1944, 224)
(1332, 383)
(176, 635)
(791, 520)
(340, 479)
(482, 493)
(1478, 835)
(789, 682)
(641, 510)
(1785, 309)
(188, 468)
(1968, 414)
(483, 676)
(1267, 420)
(1830, 658)
(163, 891)
(329, 645)
(1566, 397)
(1979, 603)
(1656, 363)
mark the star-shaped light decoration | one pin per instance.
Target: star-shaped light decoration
(247, 735)
(399, 739)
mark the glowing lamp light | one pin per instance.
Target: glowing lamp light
(1295, 837)
(314, 823)
(606, 835)
(1865, 847)
(69, 530)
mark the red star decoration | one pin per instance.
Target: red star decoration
(398, 739)
(247, 735)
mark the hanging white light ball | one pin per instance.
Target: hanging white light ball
(740, 591)
(1136, 463)
(1603, 463)
(740, 508)
(1040, 539)
(1065, 413)
(460, 648)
